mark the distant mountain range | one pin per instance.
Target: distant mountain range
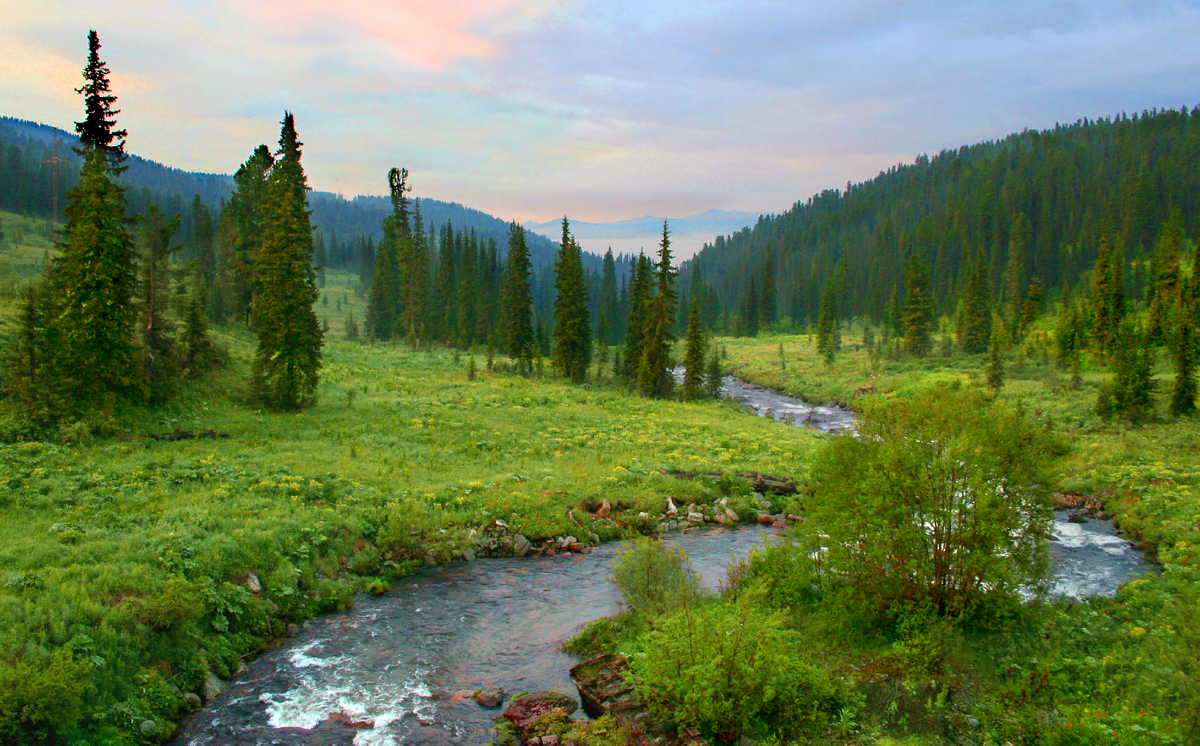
(688, 235)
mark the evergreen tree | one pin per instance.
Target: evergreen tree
(1130, 393)
(655, 378)
(197, 347)
(693, 357)
(918, 310)
(1166, 292)
(206, 256)
(242, 225)
(383, 302)
(517, 304)
(829, 335)
(414, 272)
(92, 282)
(28, 363)
(1108, 296)
(351, 328)
(609, 309)
(635, 325)
(712, 380)
(1183, 394)
(750, 312)
(288, 359)
(768, 313)
(572, 326)
(160, 358)
(975, 310)
(1031, 308)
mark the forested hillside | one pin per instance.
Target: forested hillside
(1033, 205)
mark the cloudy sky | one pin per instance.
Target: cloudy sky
(599, 110)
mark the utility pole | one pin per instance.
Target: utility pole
(54, 160)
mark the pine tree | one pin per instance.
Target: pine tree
(197, 347)
(92, 282)
(28, 362)
(1183, 394)
(1166, 297)
(829, 335)
(572, 326)
(918, 310)
(694, 358)
(635, 325)
(288, 359)
(517, 304)
(750, 312)
(351, 328)
(975, 310)
(712, 380)
(206, 256)
(383, 302)
(609, 312)
(160, 358)
(1031, 308)
(768, 313)
(414, 273)
(242, 224)
(1130, 393)
(1108, 296)
(654, 372)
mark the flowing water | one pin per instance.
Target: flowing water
(394, 664)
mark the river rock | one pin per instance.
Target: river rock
(605, 509)
(469, 554)
(524, 710)
(490, 697)
(695, 518)
(731, 515)
(765, 518)
(192, 701)
(720, 518)
(147, 727)
(213, 687)
(521, 545)
(671, 509)
(253, 584)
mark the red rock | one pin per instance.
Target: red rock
(766, 519)
(523, 711)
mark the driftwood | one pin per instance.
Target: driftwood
(762, 483)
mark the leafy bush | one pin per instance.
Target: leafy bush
(940, 503)
(722, 666)
(654, 578)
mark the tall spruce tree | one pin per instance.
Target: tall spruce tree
(768, 304)
(609, 309)
(161, 362)
(92, 282)
(414, 275)
(1166, 290)
(975, 313)
(693, 356)
(655, 378)
(1183, 393)
(918, 310)
(242, 226)
(829, 335)
(383, 302)
(635, 325)
(750, 312)
(517, 303)
(572, 325)
(1108, 296)
(288, 359)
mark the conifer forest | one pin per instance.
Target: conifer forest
(243, 422)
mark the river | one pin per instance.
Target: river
(397, 661)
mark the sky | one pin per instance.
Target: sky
(532, 109)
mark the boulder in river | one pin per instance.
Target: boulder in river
(521, 545)
(524, 710)
(489, 697)
(212, 688)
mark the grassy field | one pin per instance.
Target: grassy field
(126, 556)
(128, 551)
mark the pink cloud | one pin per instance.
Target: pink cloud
(428, 35)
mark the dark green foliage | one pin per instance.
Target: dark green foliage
(724, 666)
(1183, 394)
(288, 359)
(199, 353)
(635, 325)
(161, 361)
(242, 234)
(609, 316)
(750, 311)
(517, 303)
(693, 358)
(654, 372)
(383, 302)
(97, 131)
(1166, 289)
(414, 268)
(995, 367)
(655, 579)
(28, 365)
(949, 512)
(829, 334)
(975, 312)
(1130, 394)
(572, 326)
(712, 377)
(918, 310)
(1108, 296)
(1031, 308)
(351, 328)
(768, 314)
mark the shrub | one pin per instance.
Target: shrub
(654, 578)
(722, 666)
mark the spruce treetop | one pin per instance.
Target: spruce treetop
(97, 130)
